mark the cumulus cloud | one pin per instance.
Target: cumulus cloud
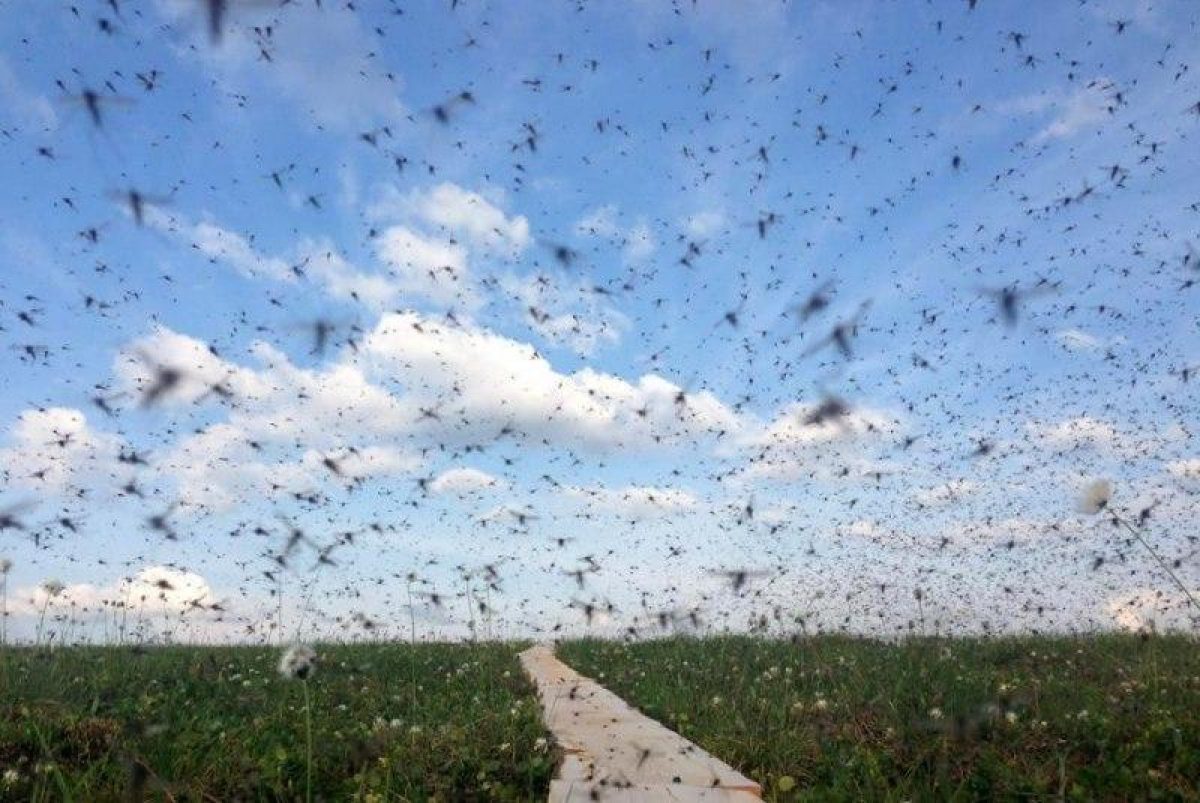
(458, 210)
(481, 383)
(335, 411)
(54, 448)
(431, 235)
(462, 481)
(1087, 432)
(424, 251)
(566, 311)
(153, 589)
(412, 381)
(221, 245)
(432, 268)
(800, 424)
(798, 441)
(316, 261)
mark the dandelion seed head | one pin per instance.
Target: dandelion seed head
(298, 662)
(1095, 497)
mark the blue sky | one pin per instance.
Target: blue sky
(550, 266)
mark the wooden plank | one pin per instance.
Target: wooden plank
(580, 792)
(616, 751)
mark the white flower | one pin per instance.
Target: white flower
(297, 662)
(11, 776)
(935, 713)
(1095, 497)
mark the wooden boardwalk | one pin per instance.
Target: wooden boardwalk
(614, 753)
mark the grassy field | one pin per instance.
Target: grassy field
(390, 722)
(1104, 718)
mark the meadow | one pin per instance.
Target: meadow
(1112, 717)
(824, 718)
(389, 722)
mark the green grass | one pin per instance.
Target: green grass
(831, 718)
(390, 722)
(827, 718)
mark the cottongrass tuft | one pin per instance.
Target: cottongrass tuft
(298, 662)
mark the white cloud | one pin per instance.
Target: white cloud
(460, 385)
(311, 260)
(482, 382)
(433, 233)
(485, 225)
(29, 108)
(599, 222)
(797, 425)
(343, 280)
(639, 243)
(221, 245)
(794, 444)
(1150, 609)
(566, 311)
(273, 408)
(946, 493)
(199, 370)
(462, 481)
(703, 225)
(153, 589)
(55, 448)
(635, 501)
(1082, 108)
(320, 61)
(1078, 340)
(1079, 433)
(432, 268)
(1185, 469)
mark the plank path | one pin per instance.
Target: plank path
(614, 753)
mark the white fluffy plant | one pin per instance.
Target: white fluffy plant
(298, 662)
(1096, 498)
